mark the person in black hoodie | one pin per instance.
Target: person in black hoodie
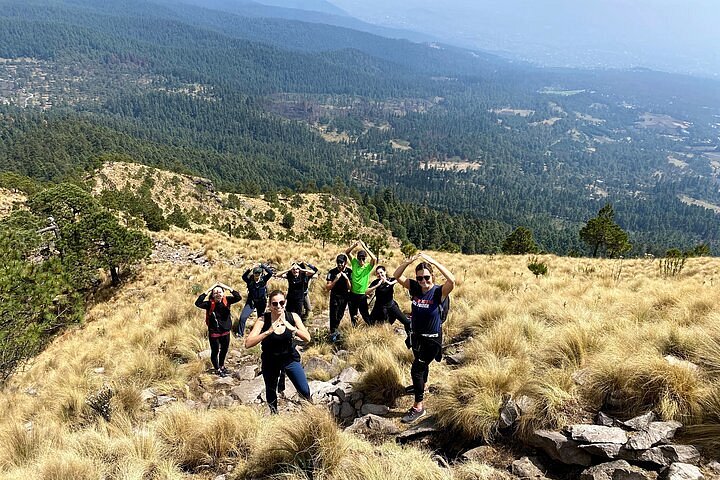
(256, 279)
(218, 321)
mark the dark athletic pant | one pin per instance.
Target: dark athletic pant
(307, 307)
(271, 370)
(358, 302)
(218, 350)
(425, 351)
(337, 310)
(294, 305)
(389, 313)
(259, 305)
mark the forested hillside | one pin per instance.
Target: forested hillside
(470, 146)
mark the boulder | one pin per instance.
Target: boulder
(457, 359)
(509, 414)
(424, 427)
(558, 447)
(604, 420)
(526, 468)
(371, 408)
(597, 434)
(479, 454)
(347, 410)
(663, 455)
(147, 394)
(164, 399)
(245, 373)
(224, 382)
(682, 471)
(604, 450)
(204, 355)
(221, 401)
(640, 423)
(656, 432)
(250, 391)
(617, 470)
(318, 364)
(679, 362)
(349, 375)
(320, 391)
(373, 424)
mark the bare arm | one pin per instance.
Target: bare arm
(298, 328)
(373, 258)
(348, 251)
(371, 289)
(257, 335)
(449, 284)
(400, 272)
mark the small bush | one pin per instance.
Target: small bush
(537, 267)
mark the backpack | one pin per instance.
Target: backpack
(444, 306)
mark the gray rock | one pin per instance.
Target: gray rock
(479, 454)
(245, 373)
(164, 399)
(371, 408)
(424, 427)
(321, 391)
(204, 355)
(525, 404)
(597, 434)
(249, 391)
(290, 391)
(343, 391)
(640, 423)
(147, 394)
(656, 432)
(99, 370)
(349, 375)
(457, 359)
(372, 423)
(221, 401)
(682, 471)
(347, 410)
(509, 414)
(224, 382)
(317, 363)
(604, 420)
(715, 467)
(604, 450)
(663, 455)
(581, 377)
(617, 470)
(335, 409)
(525, 468)
(679, 362)
(558, 447)
(356, 395)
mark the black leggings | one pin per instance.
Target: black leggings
(338, 304)
(218, 350)
(359, 302)
(389, 313)
(425, 351)
(294, 305)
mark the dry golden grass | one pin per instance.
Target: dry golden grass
(609, 323)
(10, 200)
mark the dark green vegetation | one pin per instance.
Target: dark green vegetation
(49, 266)
(469, 146)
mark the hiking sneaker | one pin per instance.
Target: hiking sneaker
(221, 373)
(412, 415)
(334, 337)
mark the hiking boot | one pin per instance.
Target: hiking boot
(221, 373)
(334, 337)
(354, 321)
(224, 370)
(412, 415)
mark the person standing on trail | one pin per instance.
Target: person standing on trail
(359, 281)
(276, 332)
(386, 308)
(256, 279)
(338, 284)
(426, 322)
(298, 279)
(219, 322)
(307, 306)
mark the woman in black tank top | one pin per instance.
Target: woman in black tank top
(276, 333)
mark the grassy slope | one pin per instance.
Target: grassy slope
(590, 330)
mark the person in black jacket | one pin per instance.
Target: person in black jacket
(386, 308)
(298, 279)
(276, 332)
(219, 322)
(256, 279)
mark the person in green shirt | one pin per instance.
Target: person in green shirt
(359, 280)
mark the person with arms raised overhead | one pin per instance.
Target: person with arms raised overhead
(338, 284)
(426, 322)
(276, 333)
(361, 269)
(219, 322)
(386, 308)
(256, 279)
(298, 279)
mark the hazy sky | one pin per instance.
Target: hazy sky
(670, 35)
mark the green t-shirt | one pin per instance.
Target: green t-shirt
(360, 276)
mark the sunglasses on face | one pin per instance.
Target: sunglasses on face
(281, 303)
(420, 278)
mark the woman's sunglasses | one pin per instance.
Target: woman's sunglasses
(281, 303)
(420, 278)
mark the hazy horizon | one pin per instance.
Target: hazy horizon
(667, 35)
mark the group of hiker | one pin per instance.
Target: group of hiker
(349, 286)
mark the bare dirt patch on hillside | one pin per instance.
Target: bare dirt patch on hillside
(9, 200)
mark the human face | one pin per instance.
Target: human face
(277, 303)
(361, 256)
(217, 294)
(425, 278)
(341, 266)
(381, 273)
(295, 270)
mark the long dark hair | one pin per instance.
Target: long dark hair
(424, 266)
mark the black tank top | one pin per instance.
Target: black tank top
(278, 347)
